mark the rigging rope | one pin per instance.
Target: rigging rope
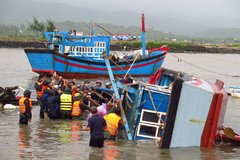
(153, 104)
(131, 65)
(201, 68)
(215, 58)
(120, 51)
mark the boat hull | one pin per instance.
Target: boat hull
(45, 61)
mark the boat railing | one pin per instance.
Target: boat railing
(88, 52)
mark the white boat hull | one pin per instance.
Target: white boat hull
(10, 106)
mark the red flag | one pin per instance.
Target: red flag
(155, 77)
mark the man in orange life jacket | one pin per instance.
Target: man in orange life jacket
(25, 107)
(114, 121)
(40, 87)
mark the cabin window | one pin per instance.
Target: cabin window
(148, 131)
(151, 117)
(97, 44)
(101, 50)
(150, 124)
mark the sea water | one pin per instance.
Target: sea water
(61, 139)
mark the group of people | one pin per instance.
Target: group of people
(59, 98)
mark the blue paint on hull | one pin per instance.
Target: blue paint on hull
(47, 60)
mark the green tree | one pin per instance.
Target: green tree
(36, 26)
(50, 26)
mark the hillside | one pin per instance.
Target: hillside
(22, 11)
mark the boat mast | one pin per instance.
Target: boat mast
(110, 73)
(53, 39)
(143, 37)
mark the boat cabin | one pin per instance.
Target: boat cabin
(77, 46)
(160, 111)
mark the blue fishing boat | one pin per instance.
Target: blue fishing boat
(77, 56)
(178, 110)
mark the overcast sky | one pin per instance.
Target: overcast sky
(194, 13)
(199, 8)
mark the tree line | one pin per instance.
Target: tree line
(40, 27)
(32, 31)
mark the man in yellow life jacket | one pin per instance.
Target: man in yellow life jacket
(76, 108)
(114, 121)
(25, 107)
(66, 104)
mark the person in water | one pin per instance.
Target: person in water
(53, 107)
(25, 107)
(96, 125)
(76, 107)
(66, 104)
(114, 122)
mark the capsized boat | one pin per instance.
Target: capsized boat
(77, 56)
(178, 110)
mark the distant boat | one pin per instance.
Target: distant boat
(72, 55)
(125, 37)
(234, 92)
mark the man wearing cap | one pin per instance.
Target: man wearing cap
(25, 107)
(76, 108)
(108, 85)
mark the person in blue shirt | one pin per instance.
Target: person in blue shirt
(96, 125)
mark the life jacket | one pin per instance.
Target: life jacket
(40, 93)
(76, 110)
(73, 92)
(66, 102)
(22, 107)
(112, 120)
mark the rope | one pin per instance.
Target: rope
(216, 58)
(215, 143)
(204, 69)
(131, 65)
(154, 105)
(115, 64)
